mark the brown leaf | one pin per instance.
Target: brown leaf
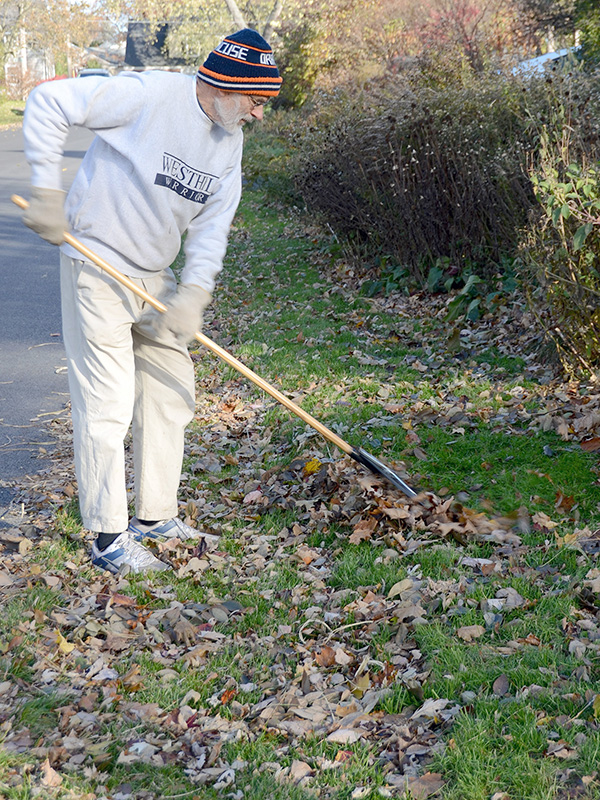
(228, 695)
(307, 555)
(50, 777)
(560, 749)
(530, 639)
(564, 503)
(469, 632)
(300, 770)
(363, 530)
(591, 445)
(326, 658)
(500, 686)
(133, 680)
(425, 786)
(401, 512)
(342, 658)
(344, 736)
(542, 521)
(253, 497)
(117, 599)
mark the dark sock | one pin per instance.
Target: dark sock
(148, 522)
(106, 539)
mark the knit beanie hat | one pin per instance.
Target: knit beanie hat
(243, 62)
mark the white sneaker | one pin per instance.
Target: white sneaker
(126, 555)
(171, 529)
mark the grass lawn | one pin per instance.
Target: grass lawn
(11, 111)
(341, 643)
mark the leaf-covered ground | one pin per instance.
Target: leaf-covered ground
(342, 642)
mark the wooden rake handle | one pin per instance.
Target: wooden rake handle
(204, 340)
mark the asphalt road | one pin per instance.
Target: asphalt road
(33, 380)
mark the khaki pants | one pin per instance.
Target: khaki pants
(119, 373)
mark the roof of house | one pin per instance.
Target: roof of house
(537, 66)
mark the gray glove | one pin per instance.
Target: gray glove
(46, 214)
(183, 316)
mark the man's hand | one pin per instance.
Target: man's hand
(183, 316)
(46, 215)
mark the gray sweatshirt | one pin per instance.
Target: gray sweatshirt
(156, 168)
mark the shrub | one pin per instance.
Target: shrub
(422, 174)
(561, 248)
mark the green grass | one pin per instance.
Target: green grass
(511, 469)
(11, 111)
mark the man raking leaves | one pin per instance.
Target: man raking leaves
(166, 160)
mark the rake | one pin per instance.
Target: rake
(356, 453)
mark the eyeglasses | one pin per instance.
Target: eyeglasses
(258, 101)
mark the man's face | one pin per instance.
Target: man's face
(232, 109)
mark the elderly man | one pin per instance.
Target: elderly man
(165, 160)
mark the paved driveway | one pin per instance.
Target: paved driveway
(33, 381)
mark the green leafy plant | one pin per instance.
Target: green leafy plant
(563, 248)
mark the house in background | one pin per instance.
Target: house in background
(146, 48)
(28, 67)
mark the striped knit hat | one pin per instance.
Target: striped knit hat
(243, 62)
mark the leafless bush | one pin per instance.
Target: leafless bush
(424, 173)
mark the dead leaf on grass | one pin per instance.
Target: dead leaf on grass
(344, 736)
(501, 685)
(560, 749)
(425, 786)
(326, 656)
(591, 445)
(363, 531)
(50, 777)
(469, 632)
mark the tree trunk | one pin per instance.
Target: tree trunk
(236, 14)
(273, 17)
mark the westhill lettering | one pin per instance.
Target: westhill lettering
(186, 181)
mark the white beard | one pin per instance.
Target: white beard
(228, 113)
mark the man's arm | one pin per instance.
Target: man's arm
(53, 108)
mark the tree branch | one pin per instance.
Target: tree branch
(273, 17)
(236, 14)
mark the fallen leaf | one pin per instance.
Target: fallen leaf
(430, 708)
(307, 555)
(591, 445)
(326, 657)
(253, 497)
(312, 466)
(50, 777)
(560, 749)
(469, 632)
(363, 531)
(425, 786)
(343, 658)
(530, 639)
(63, 645)
(512, 599)
(300, 770)
(500, 686)
(344, 736)
(399, 587)
(543, 521)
